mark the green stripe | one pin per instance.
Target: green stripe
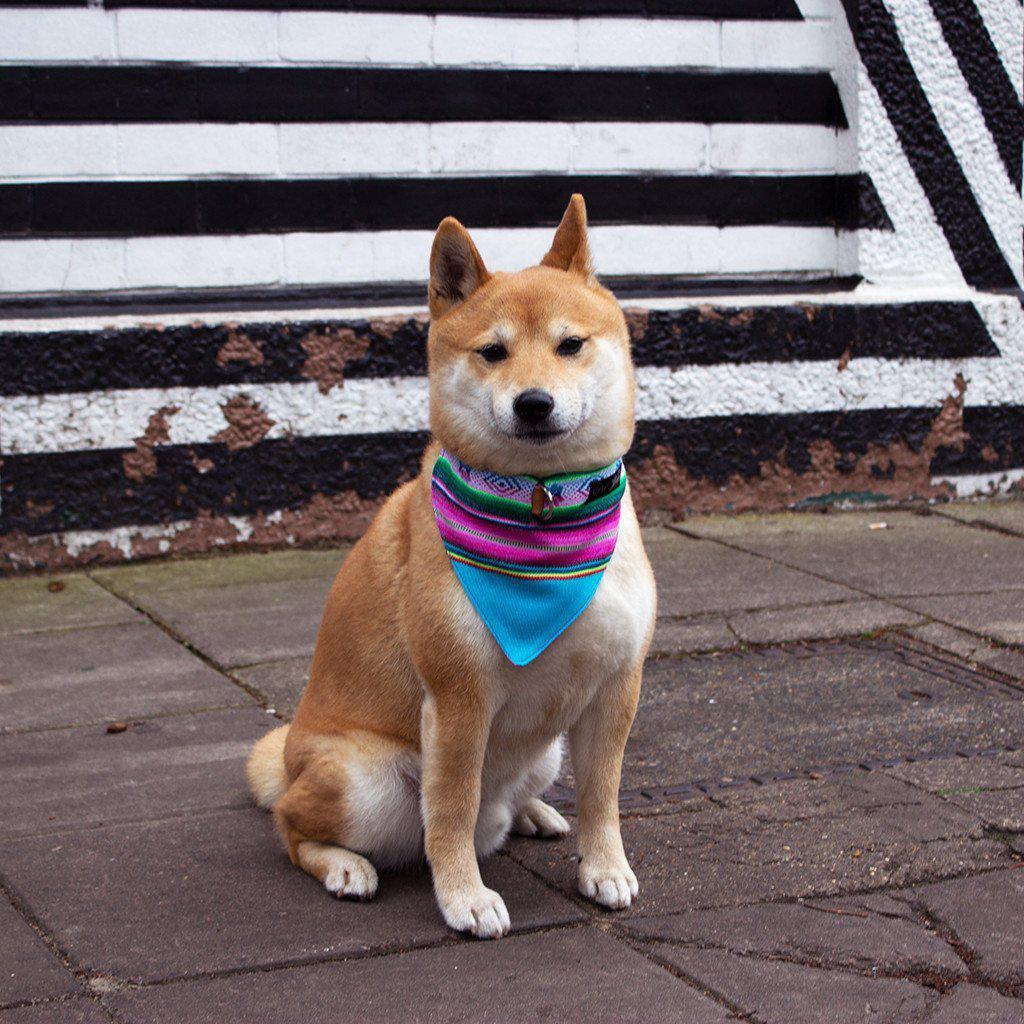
(519, 510)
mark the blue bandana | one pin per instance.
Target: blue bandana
(529, 553)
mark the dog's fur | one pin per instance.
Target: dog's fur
(416, 734)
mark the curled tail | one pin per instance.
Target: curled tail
(268, 780)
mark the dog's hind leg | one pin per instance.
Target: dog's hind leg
(355, 803)
(534, 817)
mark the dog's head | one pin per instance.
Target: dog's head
(529, 372)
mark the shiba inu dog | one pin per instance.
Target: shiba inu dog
(499, 602)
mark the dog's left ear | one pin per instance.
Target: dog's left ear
(570, 250)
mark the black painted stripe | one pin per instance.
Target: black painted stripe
(187, 93)
(147, 357)
(89, 490)
(760, 10)
(258, 299)
(979, 63)
(214, 207)
(995, 441)
(934, 163)
(285, 474)
(710, 335)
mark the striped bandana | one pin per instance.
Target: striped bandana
(529, 553)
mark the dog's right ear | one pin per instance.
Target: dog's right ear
(456, 268)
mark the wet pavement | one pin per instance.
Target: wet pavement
(823, 799)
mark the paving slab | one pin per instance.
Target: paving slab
(990, 787)
(76, 778)
(773, 992)
(28, 970)
(72, 1011)
(280, 683)
(866, 933)
(998, 615)
(983, 915)
(692, 635)
(972, 1004)
(62, 602)
(1002, 515)
(839, 835)
(135, 581)
(575, 975)
(743, 712)
(696, 577)
(216, 892)
(971, 648)
(102, 674)
(914, 555)
(820, 621)
(246, 623)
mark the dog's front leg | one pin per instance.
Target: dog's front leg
(454, 740)
(597, 742)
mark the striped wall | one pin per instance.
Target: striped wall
(235, 146)
(215, 220)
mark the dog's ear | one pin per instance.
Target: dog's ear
(456, 268)
(570, 250)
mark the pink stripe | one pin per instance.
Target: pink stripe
(536, 536)
(520, 556)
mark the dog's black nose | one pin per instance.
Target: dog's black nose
(533, 406)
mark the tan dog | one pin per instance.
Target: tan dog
(416, 733)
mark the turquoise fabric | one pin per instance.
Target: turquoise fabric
(525, 615)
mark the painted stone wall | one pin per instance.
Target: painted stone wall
(812, 212)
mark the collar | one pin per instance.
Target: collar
(562, 498)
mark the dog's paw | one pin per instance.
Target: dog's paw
(480, 912)
(351, 877)
(611, 885)
(536, 818)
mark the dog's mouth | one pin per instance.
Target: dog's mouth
(537, 436)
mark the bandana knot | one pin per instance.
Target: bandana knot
(529, 552)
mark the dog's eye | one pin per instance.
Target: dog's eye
(570, 346)
(494, 353)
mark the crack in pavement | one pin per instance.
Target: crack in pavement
(183, 641)
(969, 956)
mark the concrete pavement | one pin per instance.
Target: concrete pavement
(823, 798)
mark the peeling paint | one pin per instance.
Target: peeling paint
(328, 352)
(247, 425)
(239, 348)
(201, 464)
(896, 471)
(323, 520)
(140, 463)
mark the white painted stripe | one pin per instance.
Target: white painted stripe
(971, 485)
(964, 126)
(52, 35)
(174, 151)
(32, 424)
(411, 40)
(1004, 20)
(169, 151)
(778, 44)
(916, 249)
(209, 261)
(125, 538)
(114, 419)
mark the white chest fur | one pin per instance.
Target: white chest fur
(545, 697)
